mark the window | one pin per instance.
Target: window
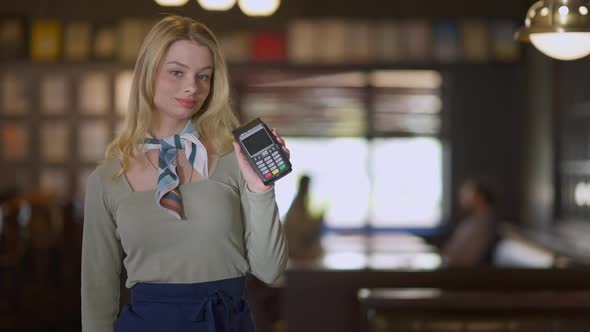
(339, 179)
(407, 182)
(370, 141)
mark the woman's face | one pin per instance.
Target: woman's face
(183, 80)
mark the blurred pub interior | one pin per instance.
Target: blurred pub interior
(387, 105)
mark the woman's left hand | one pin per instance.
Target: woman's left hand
(252, 180)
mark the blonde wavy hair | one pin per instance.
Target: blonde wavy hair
(214, 121)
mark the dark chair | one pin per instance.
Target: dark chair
(47, 297)
(12, 255)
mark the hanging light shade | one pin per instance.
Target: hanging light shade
(217, 5)
(259, 7)
(171, 3)
(558, 28)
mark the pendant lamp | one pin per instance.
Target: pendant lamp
(171, 3)
(259, 7)
(217, 5)
(558, 28)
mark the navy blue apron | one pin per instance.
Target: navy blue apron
(214, 306)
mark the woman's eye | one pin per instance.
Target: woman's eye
(203, 77)
(176, 73)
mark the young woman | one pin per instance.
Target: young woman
(177, 200)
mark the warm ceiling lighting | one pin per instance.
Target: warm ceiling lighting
(171, 3)
(259, 7)
(217, 5)
(558, 28)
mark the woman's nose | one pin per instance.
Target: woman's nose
(191, 86)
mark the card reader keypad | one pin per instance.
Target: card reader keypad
(270, 162)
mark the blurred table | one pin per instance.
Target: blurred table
(432, 309)
(394, 251)
(321, 294)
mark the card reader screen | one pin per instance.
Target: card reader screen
(257, 141)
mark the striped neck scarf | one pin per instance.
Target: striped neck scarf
(168, 195)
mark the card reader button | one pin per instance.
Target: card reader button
(276, 171)
(282, 167)
(267, 175)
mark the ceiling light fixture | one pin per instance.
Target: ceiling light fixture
(217, 5)
(558, 28)
(171, 3)
(259, 7)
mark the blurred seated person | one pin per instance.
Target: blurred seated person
(301, 228)
(474, 238)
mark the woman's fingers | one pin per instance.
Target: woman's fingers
(281, 141)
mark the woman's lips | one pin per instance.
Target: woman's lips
(187, 103)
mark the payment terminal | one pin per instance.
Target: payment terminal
(263, 151)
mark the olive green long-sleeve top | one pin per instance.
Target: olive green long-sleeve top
(228, 232)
